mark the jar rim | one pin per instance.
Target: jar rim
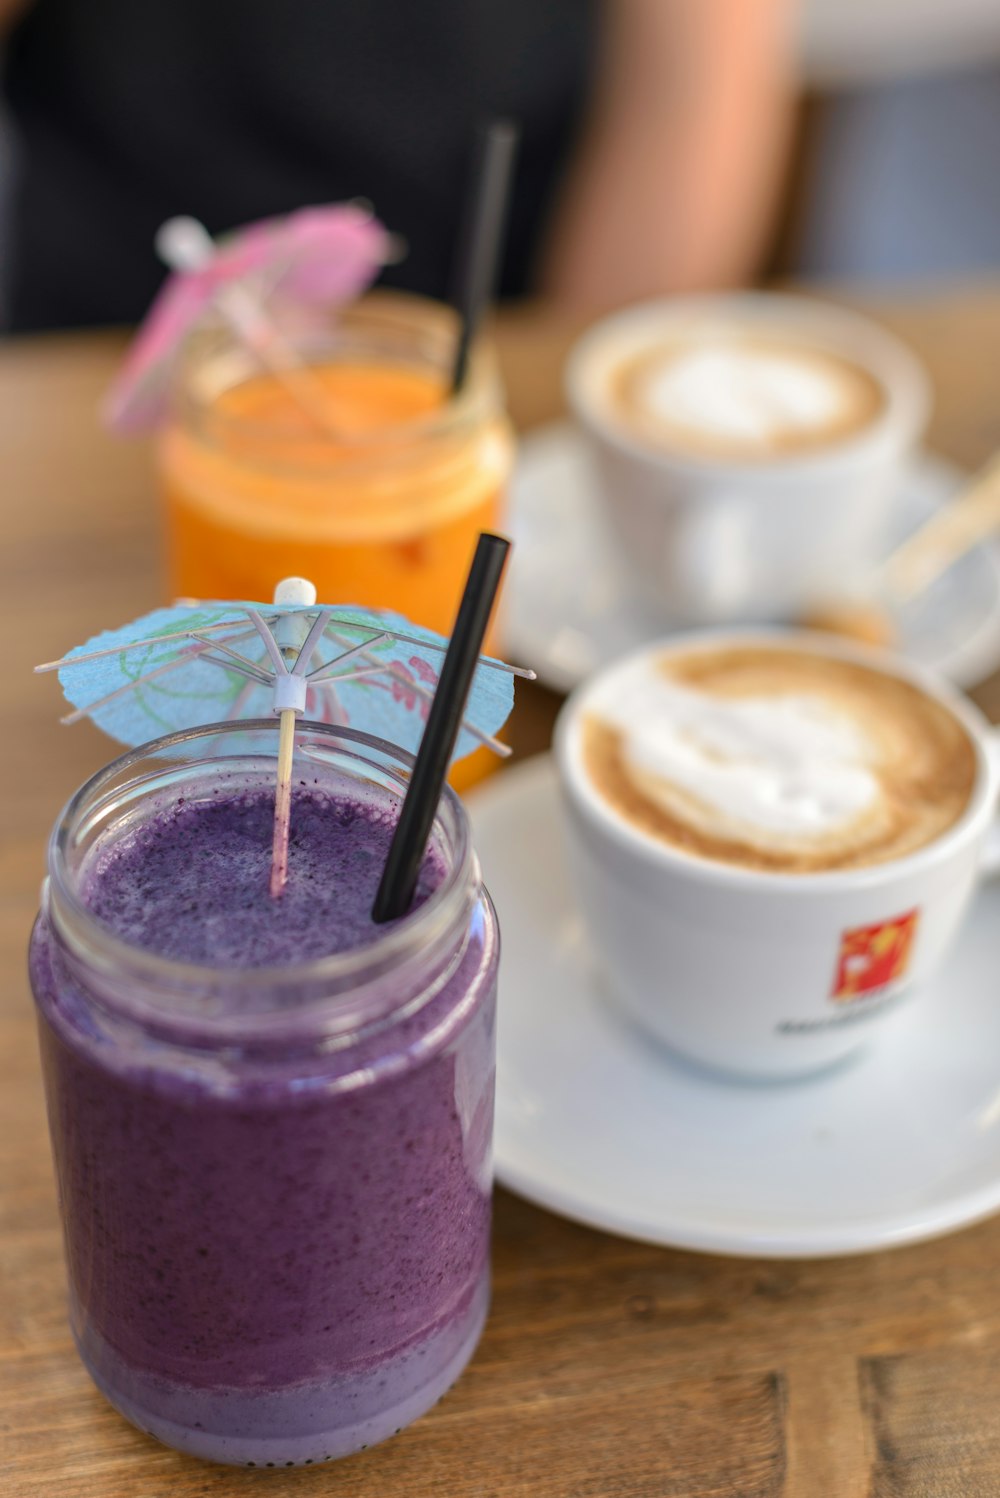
(339, 977)
(389, 312)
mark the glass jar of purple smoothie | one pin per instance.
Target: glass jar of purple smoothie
(271, 1120)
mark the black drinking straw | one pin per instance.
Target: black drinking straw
(481, 238)
(416, 817)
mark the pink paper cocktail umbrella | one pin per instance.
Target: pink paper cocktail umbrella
(318, 256)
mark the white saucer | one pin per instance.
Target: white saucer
(569, 608)
(601, 1125)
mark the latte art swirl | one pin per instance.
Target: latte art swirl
(777, 759)
(732, 396)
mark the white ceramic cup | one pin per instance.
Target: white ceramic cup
(738, 968)
(709, 540)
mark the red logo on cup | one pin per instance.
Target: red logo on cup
(873, 956)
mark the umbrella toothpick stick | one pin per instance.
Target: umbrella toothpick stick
(184, 244)
(282, 803)
(293, 639)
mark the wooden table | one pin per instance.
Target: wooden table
(608, 1368)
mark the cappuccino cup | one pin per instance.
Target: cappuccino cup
(747, 448)
(773, 838)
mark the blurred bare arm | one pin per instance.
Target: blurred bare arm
(11, 11)
(680, 165)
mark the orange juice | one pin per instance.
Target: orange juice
(380, 504)
(385, 514)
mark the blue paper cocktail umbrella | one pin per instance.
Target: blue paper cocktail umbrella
(201, 663)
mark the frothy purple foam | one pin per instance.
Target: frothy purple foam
(191, 882)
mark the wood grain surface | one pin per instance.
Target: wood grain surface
(608, 1369)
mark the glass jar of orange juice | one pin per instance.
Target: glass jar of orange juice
(376, 488)
(378, 496)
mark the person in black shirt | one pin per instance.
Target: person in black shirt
(652, 136)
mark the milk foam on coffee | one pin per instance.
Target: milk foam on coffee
(725, 395)
(793, 762)
(790, 767)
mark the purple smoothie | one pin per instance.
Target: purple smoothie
(277, 1249)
